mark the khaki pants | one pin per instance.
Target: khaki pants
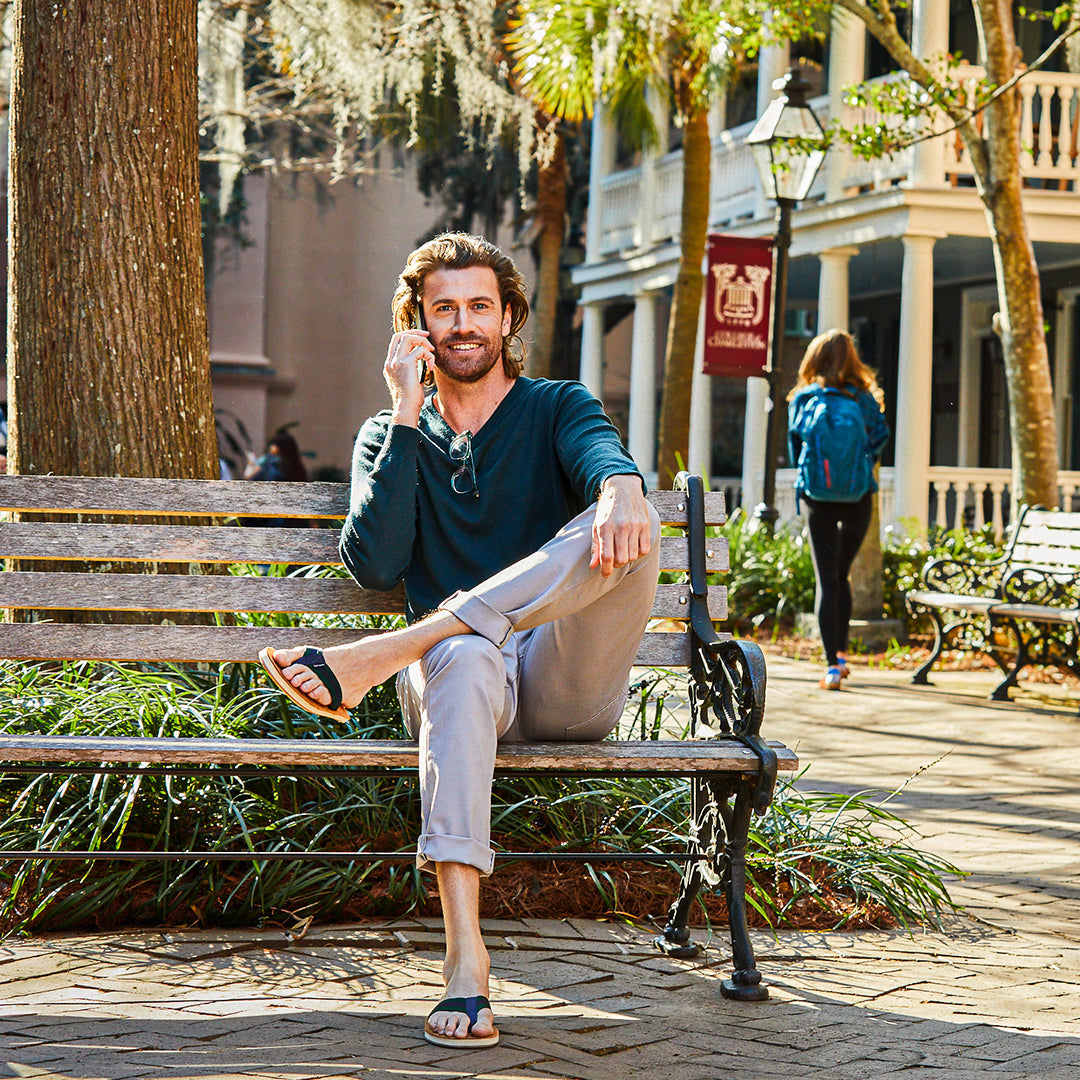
(548, 661)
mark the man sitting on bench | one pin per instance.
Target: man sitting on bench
(529, 555)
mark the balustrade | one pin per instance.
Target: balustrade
(956, 498)
(1050, 159)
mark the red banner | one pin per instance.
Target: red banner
(738, 306)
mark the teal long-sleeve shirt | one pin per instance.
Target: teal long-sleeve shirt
(540, 459)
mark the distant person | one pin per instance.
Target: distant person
(836, 432)
(281, 462)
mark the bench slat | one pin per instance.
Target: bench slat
(63, 541)
(228, 498)
(224, 644)
(666, 756)
(176, 592)
(1043, 555)
(1065, 520)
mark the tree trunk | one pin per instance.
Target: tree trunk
(551, 219)
(995, 162)
(108, 356)
(1032, 422)
(686, 303)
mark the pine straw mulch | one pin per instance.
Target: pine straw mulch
(531, 890)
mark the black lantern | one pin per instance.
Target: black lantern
(788, 144)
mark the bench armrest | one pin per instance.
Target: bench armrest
(727, 677)
(1031, 585)
(965, 578)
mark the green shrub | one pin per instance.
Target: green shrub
(772, 576)
(806, 841)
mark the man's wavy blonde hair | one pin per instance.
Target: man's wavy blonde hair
(462, 251)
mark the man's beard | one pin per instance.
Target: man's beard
(467, 368)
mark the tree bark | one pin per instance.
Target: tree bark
(686, 303)
(551, 219)
(1032, 423)
(108, 356)
(995, 159)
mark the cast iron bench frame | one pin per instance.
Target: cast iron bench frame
(1030, 590)
(1040, 597)
(732, 770)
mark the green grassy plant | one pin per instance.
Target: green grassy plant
(806, 840)
(772, 575)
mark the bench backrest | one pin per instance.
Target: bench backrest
(1047, 540)
(197, 548)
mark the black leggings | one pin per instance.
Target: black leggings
(836, 532)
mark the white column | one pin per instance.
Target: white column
(847, 67)
(642, 423)
(833, 311)
(914, 378)
(754, 443)
(699, 452)
(929, 39)
(1063, 373)
(601, 162)
(592, 348)
(772, 64)
(647, 204)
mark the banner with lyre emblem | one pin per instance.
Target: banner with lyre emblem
(738, 306)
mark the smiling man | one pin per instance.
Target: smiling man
(529, 554)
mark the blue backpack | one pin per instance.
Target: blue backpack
(836, 463)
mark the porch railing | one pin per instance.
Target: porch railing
(956, 497)
(633, 218)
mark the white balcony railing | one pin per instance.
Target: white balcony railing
(1050, 103)
(956, 498)
(634, 217)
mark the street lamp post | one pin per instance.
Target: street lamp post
(788, 144)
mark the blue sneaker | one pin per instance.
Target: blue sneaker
(832, 679)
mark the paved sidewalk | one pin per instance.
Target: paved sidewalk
(992, 786)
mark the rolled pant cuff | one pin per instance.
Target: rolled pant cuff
(433, 848)
(479, 616)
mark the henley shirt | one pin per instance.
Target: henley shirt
(540, 459)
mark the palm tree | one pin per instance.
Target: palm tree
(569, 55)
(433, 78)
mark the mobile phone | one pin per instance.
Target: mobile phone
(419, 323)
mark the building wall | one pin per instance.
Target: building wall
(300, 319)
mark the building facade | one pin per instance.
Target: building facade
(896, 250)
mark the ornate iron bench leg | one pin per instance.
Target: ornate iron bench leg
(922, 675)
(1001, 691)
(704, 822)
(719, 832)
(745, 983)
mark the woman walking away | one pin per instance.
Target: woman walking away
(836, 432)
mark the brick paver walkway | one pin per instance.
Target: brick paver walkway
(993, 787)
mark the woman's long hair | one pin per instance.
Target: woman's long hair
(288, 455)
(831, 359)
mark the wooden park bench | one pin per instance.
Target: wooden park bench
(1021, 608)
(732, 770)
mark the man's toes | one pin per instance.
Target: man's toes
(309, 683)
(485, 1024)
(285, 657)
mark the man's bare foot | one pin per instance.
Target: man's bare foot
(354, 676)
(369, 661)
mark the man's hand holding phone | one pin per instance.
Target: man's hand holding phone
(408, 359)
